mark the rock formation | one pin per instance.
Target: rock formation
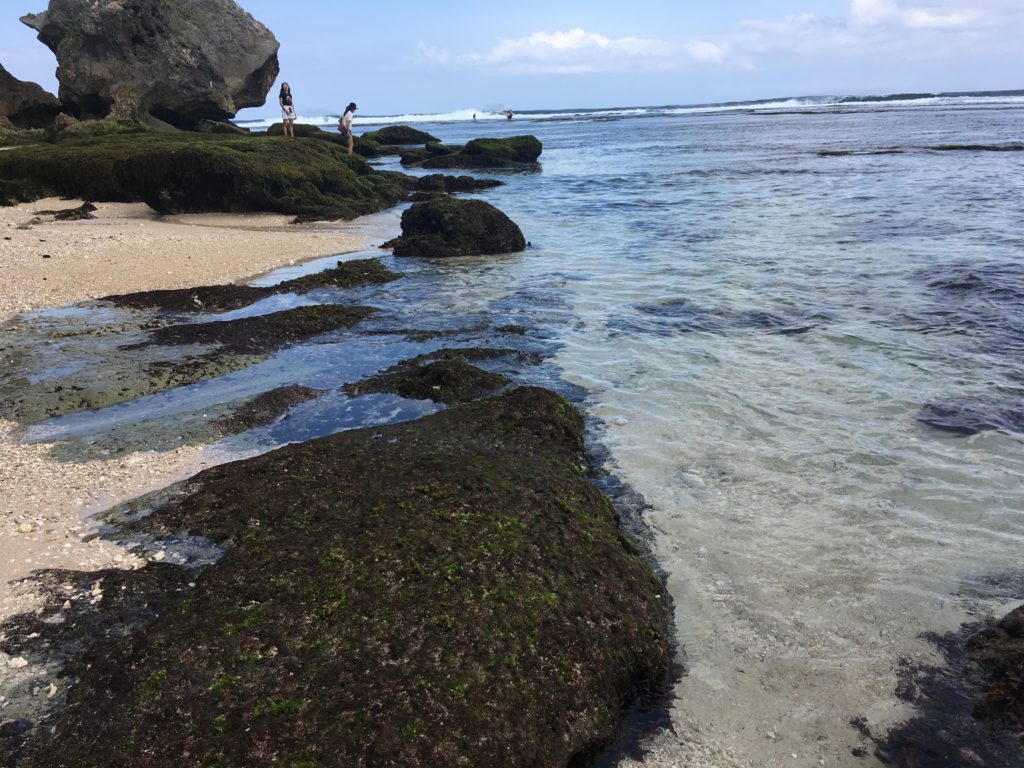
(25, 105)
(510, 152)
(449, 591)
(448, 227)
(178, 61)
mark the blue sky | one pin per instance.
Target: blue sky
(405, 57)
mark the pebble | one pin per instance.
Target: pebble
(25, 528)
(692, 481)
(17, 662)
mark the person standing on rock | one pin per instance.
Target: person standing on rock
(345, 124)
(287, 109)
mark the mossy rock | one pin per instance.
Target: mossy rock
(15, 137)
(221, 126)
(264, 408)
(67, 127)
(426, 197)
(412, 157)
(263, 333)
(437, 182)
(392, 135)
(191, 173)
(1000, 650)
(364, 146)
(444, 592)
(448, 227)
(511, 152)
(447, 381)
(218, 298)
(305, 131)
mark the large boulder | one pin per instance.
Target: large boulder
(448, 227)
(174, 61)
(25, 105)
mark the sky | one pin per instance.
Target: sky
(404, 56)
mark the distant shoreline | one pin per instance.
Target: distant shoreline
(781, 102)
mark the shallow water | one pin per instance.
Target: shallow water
(761, 330)
(763, 337)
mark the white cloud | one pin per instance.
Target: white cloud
(898, 28)
(876, 12)
(923, 18)
(575, 51)
(870, 12)
(894, 29)
(705, 52)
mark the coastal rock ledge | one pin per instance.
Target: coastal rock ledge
(170, 61)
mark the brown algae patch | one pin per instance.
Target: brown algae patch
(217, 298)
(447, 380)
(102, 372)
(443, 592)
(263, 333)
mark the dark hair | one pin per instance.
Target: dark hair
(283, 86)
(351, 107)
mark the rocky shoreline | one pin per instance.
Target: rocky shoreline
(475, 599)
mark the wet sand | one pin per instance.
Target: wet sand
(44, 503)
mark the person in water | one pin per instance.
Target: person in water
(287, 109)
(508, 114)
(345, 124)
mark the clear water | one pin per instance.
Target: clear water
(757, 332)
(759, 329)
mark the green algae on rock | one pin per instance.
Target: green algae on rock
(448, 380)
(392, 135)
(444, 592)
(970, 707)
(447, 227)
(193, 173)
(437, 182)
(117, 377)
(1000, 651)
(217, 298)
(263, 333)
(511, 152)
(196, 427)
(264, 408)
(102, 375)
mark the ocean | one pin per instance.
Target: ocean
(797, 332)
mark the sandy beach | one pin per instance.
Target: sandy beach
(128, 247)
(44, 503)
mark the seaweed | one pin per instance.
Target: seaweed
(190, 173)
(449, 591)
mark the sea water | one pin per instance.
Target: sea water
(765, 311)
(799, 335)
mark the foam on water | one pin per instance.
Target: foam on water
(1009, 98)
